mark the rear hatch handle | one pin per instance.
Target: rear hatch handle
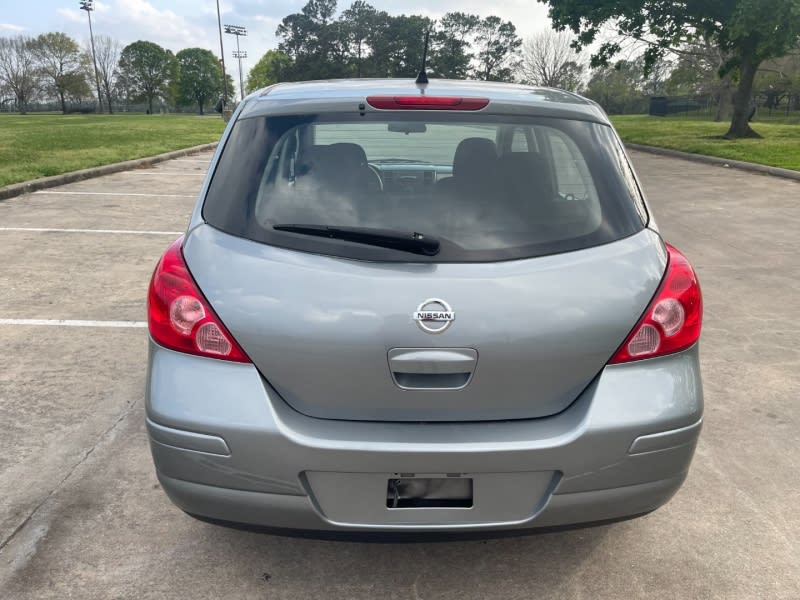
(432, 368)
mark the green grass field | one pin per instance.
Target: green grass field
(779, 148)
(34, 146)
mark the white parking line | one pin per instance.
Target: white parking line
(76, 323)
(201, 173)
(112, 231)
(116, 194)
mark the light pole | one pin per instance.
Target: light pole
(238, 31)
(222, 60)
(88, 6)
(240, 54)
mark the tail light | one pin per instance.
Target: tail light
(673, 320)
(427, 102)
(180, 318)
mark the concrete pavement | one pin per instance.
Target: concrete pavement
(82, 516)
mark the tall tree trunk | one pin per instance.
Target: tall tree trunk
(150, 105)
(201, 108)
(740, 122)
(724, 101)
(108, 101)
(63, 103)
(720, 107)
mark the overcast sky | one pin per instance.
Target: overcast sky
(178, 24)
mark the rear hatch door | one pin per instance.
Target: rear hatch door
(341, 339)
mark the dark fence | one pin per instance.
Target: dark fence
(88, 108)
(623, 105)
(703, 107)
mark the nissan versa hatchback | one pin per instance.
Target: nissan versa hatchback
(439, 307)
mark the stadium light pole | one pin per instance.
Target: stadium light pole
(222, 60)
(88, 6)
(238, 31)
(240, 54)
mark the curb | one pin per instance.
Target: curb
(719, 162)
(26, 187)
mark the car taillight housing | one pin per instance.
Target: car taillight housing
(180, 318)
(673, 320)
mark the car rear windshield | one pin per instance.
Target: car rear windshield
(485, 187)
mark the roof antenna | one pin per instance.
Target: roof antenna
(422, 78)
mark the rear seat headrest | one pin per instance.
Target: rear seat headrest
(526, 173)
(349, 152)
(473, 156)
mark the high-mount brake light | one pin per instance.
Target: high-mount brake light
(180, 318)
(422, 102)
(673, 320)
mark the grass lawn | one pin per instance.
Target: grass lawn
(779, 148)
(34, 146)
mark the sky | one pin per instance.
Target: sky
(178, 24)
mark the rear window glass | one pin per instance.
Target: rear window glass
(487, 187)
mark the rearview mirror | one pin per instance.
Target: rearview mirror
(408, 127)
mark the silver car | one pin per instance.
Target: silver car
(422, 308)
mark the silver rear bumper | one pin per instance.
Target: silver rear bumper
(226, 447)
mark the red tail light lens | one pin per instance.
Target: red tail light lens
(674, 318)
(427, 102)
(180, 318)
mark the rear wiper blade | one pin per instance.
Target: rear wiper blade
(406, 241)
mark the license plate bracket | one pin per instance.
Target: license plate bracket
(359, 499)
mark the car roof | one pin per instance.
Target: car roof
(340, 95)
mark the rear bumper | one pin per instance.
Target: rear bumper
(298, 513)
(226, 447)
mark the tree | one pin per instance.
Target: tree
(107, 52)
(696, 73)
(748, 32)
(653, 80)
(778, 80)
(618, 88)
(76, 87)
(18, 70)
(147, 70)
(357, 21)
(451, 45)
(365, 42)
(61, 64)
(271, 68)
(314, 42)
(398, 45)
(172, 90)
(548, 59)
(200, 77)
(497, 43)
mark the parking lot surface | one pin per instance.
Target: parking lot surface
(82, 515)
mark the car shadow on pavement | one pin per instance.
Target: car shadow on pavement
(464, 568)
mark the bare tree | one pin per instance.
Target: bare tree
(18, 69)
(6, 97)
(697, 72)
(549, 60)
(107, 50)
